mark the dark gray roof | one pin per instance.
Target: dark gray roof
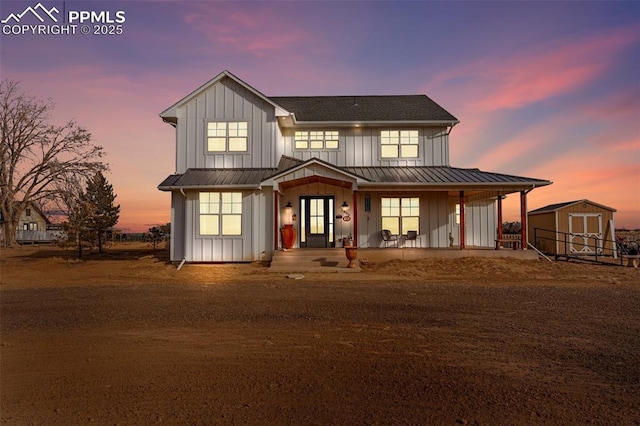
(364, 108)
(438, 175)
(558, 206)
(194, 178)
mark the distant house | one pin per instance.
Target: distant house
(580, 227)
(35, 227)
(250, 168)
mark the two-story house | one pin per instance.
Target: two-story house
(331, 166)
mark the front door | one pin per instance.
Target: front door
(316, 227)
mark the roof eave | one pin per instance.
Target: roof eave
(371, 123)
(192, 187)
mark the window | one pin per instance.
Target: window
(317, 139)
(400, 215)
(30, 226)
(457, 214)
(227, 137)
(399, 144)
(220, 213)
(27, 212)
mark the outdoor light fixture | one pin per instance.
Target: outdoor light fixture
(288, 206)
(345, 206)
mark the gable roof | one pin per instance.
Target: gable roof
(419, 108)
(336, 109)
(558, 206)
(170, 114)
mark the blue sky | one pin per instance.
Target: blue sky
(542, 89)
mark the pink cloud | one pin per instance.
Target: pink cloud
(259, 32)
(538, 73)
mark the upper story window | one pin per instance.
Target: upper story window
(220, 213)
(317, 139)
(399, 144)
(227, 136)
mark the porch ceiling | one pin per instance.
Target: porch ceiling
(307, 180)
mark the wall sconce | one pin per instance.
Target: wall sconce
(345, 206)
(289, 213)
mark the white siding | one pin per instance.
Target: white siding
(178, 237)
(434, 216)
(361, 147)
(252, 245)
(225, 101)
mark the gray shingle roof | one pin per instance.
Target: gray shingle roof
(558, 206)
(364, 108)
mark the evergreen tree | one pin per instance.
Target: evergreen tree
(105, 214)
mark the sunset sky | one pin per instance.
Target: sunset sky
(549, 90)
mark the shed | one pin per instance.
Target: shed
(575, 228)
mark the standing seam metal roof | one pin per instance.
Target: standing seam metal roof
(383, 175)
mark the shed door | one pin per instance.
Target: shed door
(585, 233)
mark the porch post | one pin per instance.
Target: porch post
(499, 218)
(355, 218)
(523, 219)
(462, 238)
(276, 216)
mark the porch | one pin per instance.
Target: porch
(334, 259)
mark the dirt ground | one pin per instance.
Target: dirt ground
(125, 338)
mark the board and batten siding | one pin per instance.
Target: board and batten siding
(434, 219)
(178, 236)
(254, 243)
(226, 101)
(360, 146)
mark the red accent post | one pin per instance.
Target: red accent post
(462, 237)
(499, 217)
(355, 218)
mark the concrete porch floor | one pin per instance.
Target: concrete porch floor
(334, 259)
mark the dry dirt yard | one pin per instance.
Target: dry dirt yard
(125, 338)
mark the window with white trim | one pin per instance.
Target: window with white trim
(399, 144)
(400, 215)
(316, 139)
(220, 213)
(227, 136)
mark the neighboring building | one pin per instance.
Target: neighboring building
(35, 226)
(579, 227)
(331, 166)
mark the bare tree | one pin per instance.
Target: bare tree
(37, 156)
(74, 202)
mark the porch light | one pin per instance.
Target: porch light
(345, 206)
(288, 206)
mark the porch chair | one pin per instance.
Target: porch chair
(388, 238)
(412, 236)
